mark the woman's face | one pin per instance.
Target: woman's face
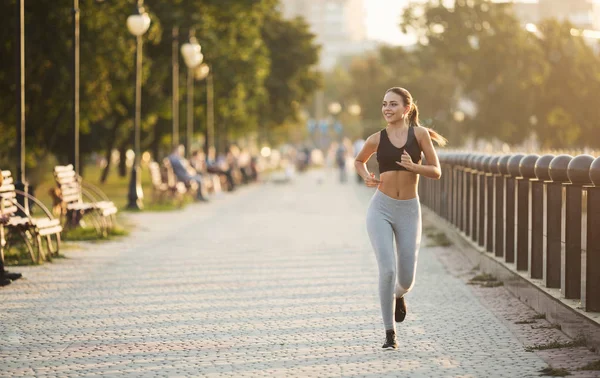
(393, 108)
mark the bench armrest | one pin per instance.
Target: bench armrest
(37, 202)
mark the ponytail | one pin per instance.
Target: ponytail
(437, 138)
(413, 120)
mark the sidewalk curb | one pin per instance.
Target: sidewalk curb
(573, 321)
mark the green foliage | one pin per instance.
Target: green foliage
(478, 53)
(241, 41)
(293, 53)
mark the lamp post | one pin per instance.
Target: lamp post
(175, 75)
(202, 72)
(20, 78)
(138, 23)
(192, 57)
(75, 76)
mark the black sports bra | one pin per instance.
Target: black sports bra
(388, 154)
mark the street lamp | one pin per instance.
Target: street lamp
(20, 78)
(354, 110)
(335, 108)
(138, 23)
(203, 72)
(192, 58)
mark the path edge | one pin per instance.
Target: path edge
(574, 322)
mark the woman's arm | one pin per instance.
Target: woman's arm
(432, 168)
(360, 163)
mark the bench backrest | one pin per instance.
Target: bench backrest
(171, 178)
(155, 174)
(8, 196)
(68, 183)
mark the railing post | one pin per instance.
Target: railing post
(527, 172)
(578, 172)
(481, 163)
(444, 181)
(499, 179)
(468, 195)
(474, 196)
(590, 293)
(536, 216)
(512, 167)
(490, 168)
(553, 225)
(464, 193)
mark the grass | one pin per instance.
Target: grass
(554, 372)
(437, 238)
(485, 280)
(591, 366)
(528, 321)
(485, 277)
(578, 342)
(115, 187)
(550, 326)
(15, 256)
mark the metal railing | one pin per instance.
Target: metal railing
(540, 213)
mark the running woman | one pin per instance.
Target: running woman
(395, 211)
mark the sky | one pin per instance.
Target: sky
(382, 20)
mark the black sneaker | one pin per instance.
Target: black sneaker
(400, 312)
(4, 281)
(11, 276)
(390, 340)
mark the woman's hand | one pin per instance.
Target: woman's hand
(372, 182)
(406, 162)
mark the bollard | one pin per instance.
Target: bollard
(466, 205)
(463, 182)
(455, 191)
(473, 200)
(536, 214)
(523, 247)
(590, 293)
(481, 200)
(552, 220)
(500, 171)
(445, 183)
(526, 166)
(578, 172)
(489, 202)
(459, 189)
(512, 167)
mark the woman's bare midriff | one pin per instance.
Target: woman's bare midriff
(400, 185)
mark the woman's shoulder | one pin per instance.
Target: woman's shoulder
(421, 132)
(374, 138)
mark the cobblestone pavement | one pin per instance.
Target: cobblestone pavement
(273, 280)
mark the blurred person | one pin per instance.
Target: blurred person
(394, 211)
(217, 165)
(186, 173)
(6, 277)
(340, 159)
(357, 146)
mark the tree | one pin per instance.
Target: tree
(292, 77)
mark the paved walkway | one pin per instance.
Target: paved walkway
(274, 280)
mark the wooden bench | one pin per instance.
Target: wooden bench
(20, 224)
(77, 199)
(164, 185)
(190, 187)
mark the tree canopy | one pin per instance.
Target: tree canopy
(259, 76)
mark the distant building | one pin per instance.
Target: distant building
(339, 26)
(583, 14)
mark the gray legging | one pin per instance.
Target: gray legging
(388, 217)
